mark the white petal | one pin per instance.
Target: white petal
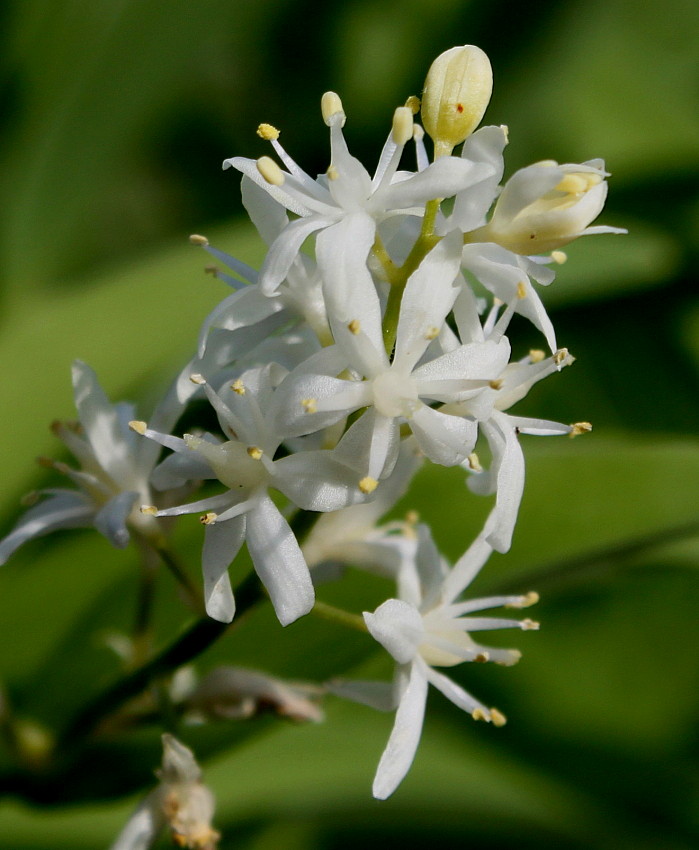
(111, 520)
(398, 627)
(284, 250)
(444, 438)
(402, 745)
(143, 826)
(222, 543)
(378, 695)
(268, 215)
(471, 206)
(279, 562)
(317, 481)
(442, 179)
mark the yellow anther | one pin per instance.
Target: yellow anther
(332, 173)
(354, 327)
(573, 184)
(196, 378)
(481, 658)
(402, 125)
(238, 387)
(208, 518)
(368, 485)
(255, 452)
(536, 355)
(559, 257)
(138, 427)
(496, 384)
(497, 717)
(547, 163)
(150, 510)
(474, 462)
(310, 405)
(412, 517)
(505, 131)
(271, 172)
(560, 356)
(521, 290)
(268, 132)
(212, 269)
(580, 428)
(479, 714)
(525, 601)
(413, 104)
(198, 239)
(432, 332)
(530, 625)
(331, 105)
(30, 498)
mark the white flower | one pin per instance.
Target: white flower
(114, 473)
(181, 802)
(346, 204)
(545, 206)
(314, 480)
(427, 628)
(313, 398)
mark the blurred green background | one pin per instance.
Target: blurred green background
(116, 115)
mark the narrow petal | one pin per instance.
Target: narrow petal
(222, 543)
(445, 439)
(143, 826)
(405, 737)
(453, 692)
(111, 520)
(279, 562)
(443, 179)
(398, 627)
(284, 250)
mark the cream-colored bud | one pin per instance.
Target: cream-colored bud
(331, 105)
(402, 125)
(457, 92)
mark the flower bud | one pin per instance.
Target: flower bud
(457, 92)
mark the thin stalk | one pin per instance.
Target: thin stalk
(337, 615)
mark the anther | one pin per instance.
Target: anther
(310, 405)
(580, 428)
(530, 625)
(46, 462)
(559, 257)
(368, 485)
(412, 517)
(330, 106)
(479, 714)
(196, 378)
(354, 327)
(481, 658)
(238, 387)
(268, 132)
(255, 452)
(402, 125)
(536, 355)
(30, 498)
(525, 601)
(138, 427)
(413, 104)
(271, 172)
(572, 184)
(432, 332)
(208, 518)
(521, 290)
(150, 510)
(198, 239)
(212, 270)
(332, 173)
(496, 384)
(497, 717)
(474, 462)
(560, 356)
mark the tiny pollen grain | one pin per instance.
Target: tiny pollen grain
(255, 452)
(368, 485)
(536, 355)
(208, 518)
(268, 132)
(138, 427)
(354, 327)
(580, 428)
(198, 239)
(497, 717)
(310, 405)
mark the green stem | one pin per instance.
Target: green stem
(337, 615)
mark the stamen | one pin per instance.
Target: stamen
(268, 132)
(354, 327)
(198, 239)
(536, 355)
(402, 125)
(497, 717)
(412, 517)
(332, 173)
(271, 172)
(525, 601)
(580, 428)
(572, 184)
(530, 625)
(474, 462)
(238, 387)
(413, 104)
(559, 257)
(330, 106)
(255, 452)
(481, 658)
(479, 714)
(560, 356)
(150, 510)
(368, 485)
(138, 427)
(196, 378)
(432, 332)
(310, 405)
(496, 384)
(521, 290)
(208, 518)
(418, 133)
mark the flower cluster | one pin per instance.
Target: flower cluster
(333, 376)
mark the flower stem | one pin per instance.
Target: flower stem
(337, 615)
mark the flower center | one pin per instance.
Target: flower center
(395, 394)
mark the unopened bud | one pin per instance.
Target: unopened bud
(457, 92)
